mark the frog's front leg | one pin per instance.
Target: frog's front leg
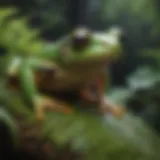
(30, 91)
(50, 104)
(94, 93)
(107, 106)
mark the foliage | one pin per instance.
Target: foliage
(16, 35)
(8, 120)
(50, 16)
(137, 8)
(144, 15)
(141, 95)
(52, 13)
(101, 141)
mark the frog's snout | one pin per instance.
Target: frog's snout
(81, 38)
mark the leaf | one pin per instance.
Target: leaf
(8, 120)
(87, 134)
(17, 36)
(143, 77)
(119, 95)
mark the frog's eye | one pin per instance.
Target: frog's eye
(80, 38)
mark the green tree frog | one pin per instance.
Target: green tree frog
(76, 62)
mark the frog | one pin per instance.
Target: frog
(76, 62)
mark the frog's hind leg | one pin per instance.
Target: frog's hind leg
(51, 105)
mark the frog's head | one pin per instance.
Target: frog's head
(86, 47)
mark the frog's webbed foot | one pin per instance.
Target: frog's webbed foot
(44, 104)
(107, 107)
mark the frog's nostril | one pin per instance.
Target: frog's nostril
(80, 38)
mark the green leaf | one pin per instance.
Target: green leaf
(125, 138)
(8, 120)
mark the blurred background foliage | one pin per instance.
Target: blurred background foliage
(135, 78)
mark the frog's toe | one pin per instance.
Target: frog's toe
(112, 109)
(54, 105)
(118, 111)
(60, 107)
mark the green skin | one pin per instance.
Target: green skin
(62, 67)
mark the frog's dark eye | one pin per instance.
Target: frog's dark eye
(80, 38)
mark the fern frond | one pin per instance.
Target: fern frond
(7, 119)
(17, 36)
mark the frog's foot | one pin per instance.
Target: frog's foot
(51, 105)
(107, 107)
